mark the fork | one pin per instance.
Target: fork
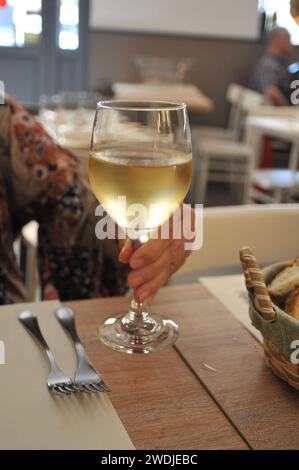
(57, 381)
(86, 377)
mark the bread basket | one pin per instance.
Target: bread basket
(280, 331)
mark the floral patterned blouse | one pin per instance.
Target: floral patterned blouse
(41, 181)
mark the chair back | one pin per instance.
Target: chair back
(234, 92)
(234, 97)
(251, 102)
(251, 99)
(271, 230)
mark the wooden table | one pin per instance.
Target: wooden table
(183, 92)
(170, 400)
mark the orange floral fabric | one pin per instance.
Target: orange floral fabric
(41, 181)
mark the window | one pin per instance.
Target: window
(278, 13)
(20, 22)
(68, 27)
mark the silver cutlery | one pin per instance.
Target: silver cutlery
(57, 381)
(86, 377)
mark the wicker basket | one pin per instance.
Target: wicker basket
(278, 328)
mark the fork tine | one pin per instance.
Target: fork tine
(101, 387)
(77, 388)
(57, 392)
(58, 389)
(71, 388)
(96, 387)
(88, 387)
(64, 389)
(83, 388)
(105, 387)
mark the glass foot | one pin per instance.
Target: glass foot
(142, 334)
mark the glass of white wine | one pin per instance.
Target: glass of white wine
(141, 154)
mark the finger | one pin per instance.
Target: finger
(50, 293)
(148, 253)
(126, 252)
(145, 274)
(151, 300)
(147, 290)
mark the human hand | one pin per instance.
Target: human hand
(152, 264)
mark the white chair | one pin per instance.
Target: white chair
(273, 111)
(271, 185)
(224, 160)
(270, 230)
(232, 131)
(219, 162)
(277, 185)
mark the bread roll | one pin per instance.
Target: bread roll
(292, 304)
(295, 262)
(286, 280)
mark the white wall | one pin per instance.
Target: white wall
(217, 18)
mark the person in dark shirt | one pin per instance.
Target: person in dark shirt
(270, 76)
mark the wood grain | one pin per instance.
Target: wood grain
(263, 408)
(158, 398)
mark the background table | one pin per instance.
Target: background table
(183, 92)
(211, 391)
(283, 127)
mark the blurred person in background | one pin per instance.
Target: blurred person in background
(271, 76)
(41, 181)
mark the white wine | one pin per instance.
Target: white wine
(140, 181)
(158, 182)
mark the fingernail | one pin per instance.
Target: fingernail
(126, 246)
(123, 251)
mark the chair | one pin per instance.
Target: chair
(280, 183)
(271, 230)
(272, 185)
(232, 131)
(224, 160)
(273, 111)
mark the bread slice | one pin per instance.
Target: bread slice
(285, 281)
(295, 262)
(292, 304)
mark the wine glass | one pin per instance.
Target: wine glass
(141, 154)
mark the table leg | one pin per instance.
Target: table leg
(293, 165)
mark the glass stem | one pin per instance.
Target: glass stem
(138, 311)
(138, 316)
